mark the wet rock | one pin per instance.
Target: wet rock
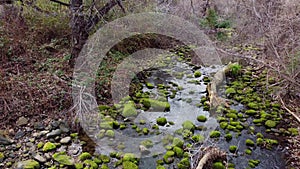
(39, 126)
(64, 127)
(65, 140)
(144, 150)
(40, 158)
(22, 121)
(19, 134)
(4, 140)
(32, 164)
(54, 133)
(63, 159)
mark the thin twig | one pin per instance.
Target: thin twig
(288, 110)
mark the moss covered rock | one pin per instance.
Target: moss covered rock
(85, 155)
(49, 146)
(228, 137)
(201, 118)
(64, 159)
(197, 74)
(129, 110)
(232, 149)
(110, 133)
(184, 164)
(169, 157)
(156, 104)
(214, 134)
(178, 142)
(104, 158)
(188, 125)
(129, 165)
(91, 163)
(161, 121)
(28, 164)
(249, 142)
(218, 165)
(270, 124)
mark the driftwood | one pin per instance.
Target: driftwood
(208, 156)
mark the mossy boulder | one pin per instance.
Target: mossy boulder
(270, 124)
(129, 157)
(129, 165)
(248, 151)
(64, 159)
(218, 165)
(230, 91)
(91, 163)
(129, 110)
(293, 131)
(79, 166)
(251, 112)
(249, 142)
(228, 137)
(231, 115)
(149, 85)
(161, 121)
(223, 125)
(178, 151)
(201, 118)
(197, 74)
(253, 163)
(184, 164)
(178, 142)
(110, 133)
(49, 146)
(188, 125)
(104, 158)
(214, 134)
(145, 131)
(197, 138)
(259, 141)
(169, 157)
(160, 167)
(28, 164)
(156, 105)
(253, 105)
(147, 143)
(85, 155)
(232, 149)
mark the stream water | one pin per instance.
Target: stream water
(184, 105)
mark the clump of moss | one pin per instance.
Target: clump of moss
(270, 124)
(188, 125)
(201, 118)
(218, 165)
(49, 146)
(184, 164)
(214, 134)
(169, 157)
(85, 155)
(249, 142)
(197, 74)
(147, 143)
(161, 121)
(228, 137)
(248, 151)
(253, 163)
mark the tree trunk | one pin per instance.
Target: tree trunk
(78, 26)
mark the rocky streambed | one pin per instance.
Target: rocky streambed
(169, 122)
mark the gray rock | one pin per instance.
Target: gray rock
(54, 133)
(44, 132)
(65, 140)
(74, 149)
(19, 134)
(39, 126)
(28, 164)
(55, 124)
(5, 141)
(64, 127)
(40, 158)
(22, 121)
(29, 144)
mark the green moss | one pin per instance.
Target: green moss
(145, 131)
(30, 164)
(1, 156)
(147, 143)
(178, 142)
(149, 85)
(49, 146)
(129, 157)
(232, 149)
(214, 134)
(230, 127)
(259, 135)
(230, 91)
(97, 160)
(253, 163)
(248, 151)
(129, 165)
(218, 165)
(85, 155)
(155, 104)
(249, 142)
(223, 125)
(197, 74)
(184, 164)
(251, 112)
(110, 133)
(253, 105)
(104, 158)
(62, 158)
(186, 133)
(201, 118)
(40, 145)
(129, 110)
(231, 115)
(188, 125)
(293, 131)
(161, 121)
(228, 137)
(91, 163)
(78, 166)
(178, 151)
(169, 157)
(270, 124)
(104, 166)
(197, 138)
(160, 167)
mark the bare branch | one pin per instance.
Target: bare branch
(59, 2)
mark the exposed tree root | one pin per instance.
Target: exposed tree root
(208, 156)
